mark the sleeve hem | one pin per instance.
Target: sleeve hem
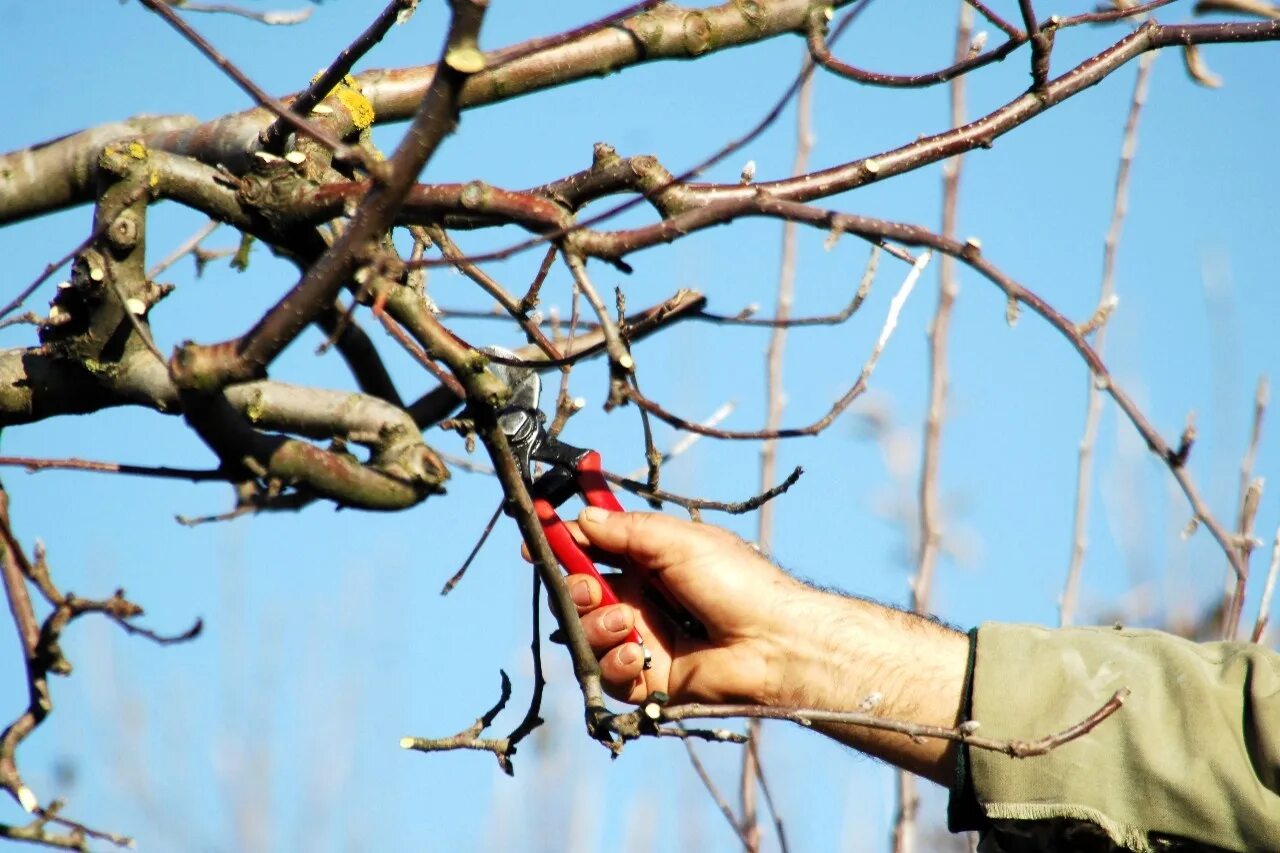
(963, 811)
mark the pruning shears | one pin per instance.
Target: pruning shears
(566, 471)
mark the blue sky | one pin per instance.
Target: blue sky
(326, 639)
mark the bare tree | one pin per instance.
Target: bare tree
(301, 175)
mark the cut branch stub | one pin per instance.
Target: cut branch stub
(89, 317)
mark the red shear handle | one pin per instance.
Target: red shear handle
(572, 557)
(595, 488)
(596, 492)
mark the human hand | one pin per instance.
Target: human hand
(771, 640)
(743, 600)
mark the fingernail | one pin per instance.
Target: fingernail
(615, 620)
(594, 514)
(580, 592)
(627, 656)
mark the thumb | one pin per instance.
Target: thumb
(649, 540)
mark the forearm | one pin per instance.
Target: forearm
(847, 654)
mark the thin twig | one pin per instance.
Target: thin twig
(621, 364)
(1250, 497)
(744, 318)
(929, 514)
(686, 441)
(721, 803)
(466, 564)
(807, 717)
(35, 465)
(1268, 589)
(274, 19)
(530, 299)
(419, 355)
(775, 401)
(489, 285)
(779, 826)
(531, 719)
(1106, 300)
(397, 11)
(855, 391)
(186, 247)
(260, 95)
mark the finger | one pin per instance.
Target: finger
(585, 592)
(649, 540)
(597, 556)
(606, 627)
(621, 668)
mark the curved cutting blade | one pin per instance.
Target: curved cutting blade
(520, 419)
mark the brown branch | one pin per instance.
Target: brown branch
(970, 253)
(530, 299)
(666, 182)
(566, 407)
(1238, 7)
(61, 173)
(506, 56)
(629, 724)
(1112, 15)
(485, 394)
(709, 204)
(419, 355)
(733, 508)
(438, 403)
(100, 228)
(43, 655)
(469, 738)
(37, 832)
(961, 65)
(1041, 44)
(686, 441)
(247, 357)
(531, 718)
(1008, 28)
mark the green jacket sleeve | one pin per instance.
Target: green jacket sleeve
(1191, 761)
